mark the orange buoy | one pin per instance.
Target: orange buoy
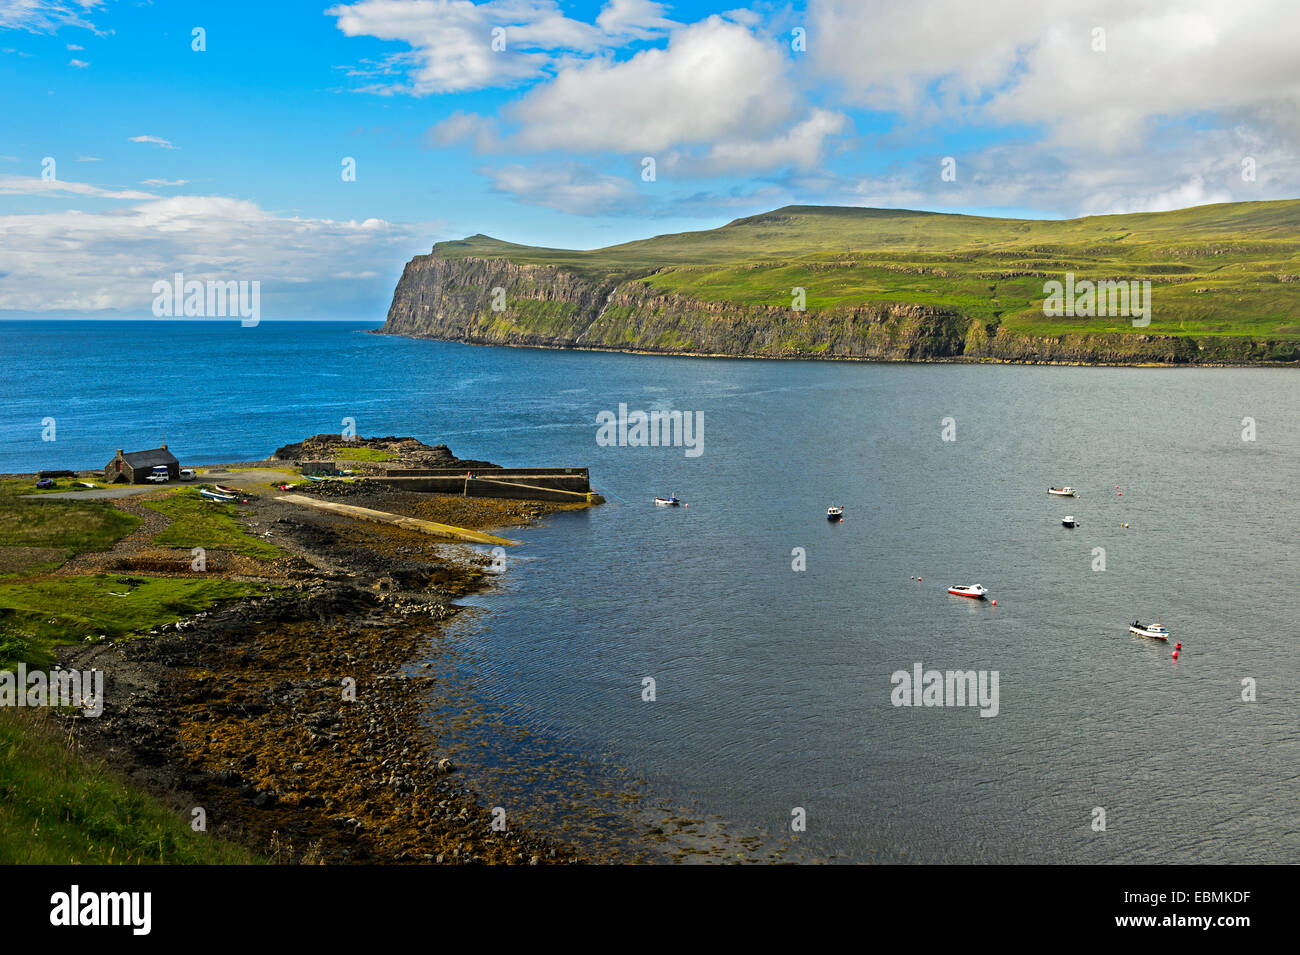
(918, 580)
(995, 603)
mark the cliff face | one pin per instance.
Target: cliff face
(453, 299)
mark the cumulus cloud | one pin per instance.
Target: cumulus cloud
(84, 261)
(1095, 76)
(715, 80)
(800, 147)
(79, 64)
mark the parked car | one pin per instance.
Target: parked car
(187, 474)
(159, 475)
(43, 483)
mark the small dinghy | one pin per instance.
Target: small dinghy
(1154, 630)
(1069, 522)
(215, 495)
(222, 489)
(835, 512)
(974, 591)
(667, 501)
(1062, 491)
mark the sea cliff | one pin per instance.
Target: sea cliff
(497, 301)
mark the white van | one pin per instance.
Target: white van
(187, 474)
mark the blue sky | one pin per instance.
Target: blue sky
(226, 162)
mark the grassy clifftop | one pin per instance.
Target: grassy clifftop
(1228, 271)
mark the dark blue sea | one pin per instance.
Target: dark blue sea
(772, 685)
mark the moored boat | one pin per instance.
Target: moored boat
(667, 501)
(835, 512)
(1153, 630)
(1062, 491)
(1069, 522)
(974, 591)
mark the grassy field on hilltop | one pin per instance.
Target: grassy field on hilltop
(1231, 269)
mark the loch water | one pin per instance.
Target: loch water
(771, 635)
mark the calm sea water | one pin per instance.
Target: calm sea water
(773, 685)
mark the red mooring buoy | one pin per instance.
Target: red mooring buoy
(1175, 654)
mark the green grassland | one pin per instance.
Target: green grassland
(199, 522)
(1231, 269)
(38, 615)
(40, 611)
(58, 809)
(40, 535)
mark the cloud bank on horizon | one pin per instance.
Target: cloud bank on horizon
(570, 124)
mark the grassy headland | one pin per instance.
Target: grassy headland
(970, 286)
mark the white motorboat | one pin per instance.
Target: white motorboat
(974, 591)
(1062, 491)
(667, 501)
(1069, 522)
(1153, 630)
(835, 512)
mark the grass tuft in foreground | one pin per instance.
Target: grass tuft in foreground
(57, 809)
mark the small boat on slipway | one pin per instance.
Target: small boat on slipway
(1062, 491)
(835, 512)
(974, 591)
(212, 495)
(1155, 631)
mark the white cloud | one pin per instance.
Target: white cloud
(154, 140)
(800, 147)
(89, 159)
(59, 188)
(80, 261)
(164, 182)
(45, 16)
(640, 19)
(451, 40)
(715, 81)
(73, 47)
(79, 64)
(567, 187)
(1008, 62)
(460, 127)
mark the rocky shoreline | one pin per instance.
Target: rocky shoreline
(297, 721)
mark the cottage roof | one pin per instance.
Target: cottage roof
(149, 459)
